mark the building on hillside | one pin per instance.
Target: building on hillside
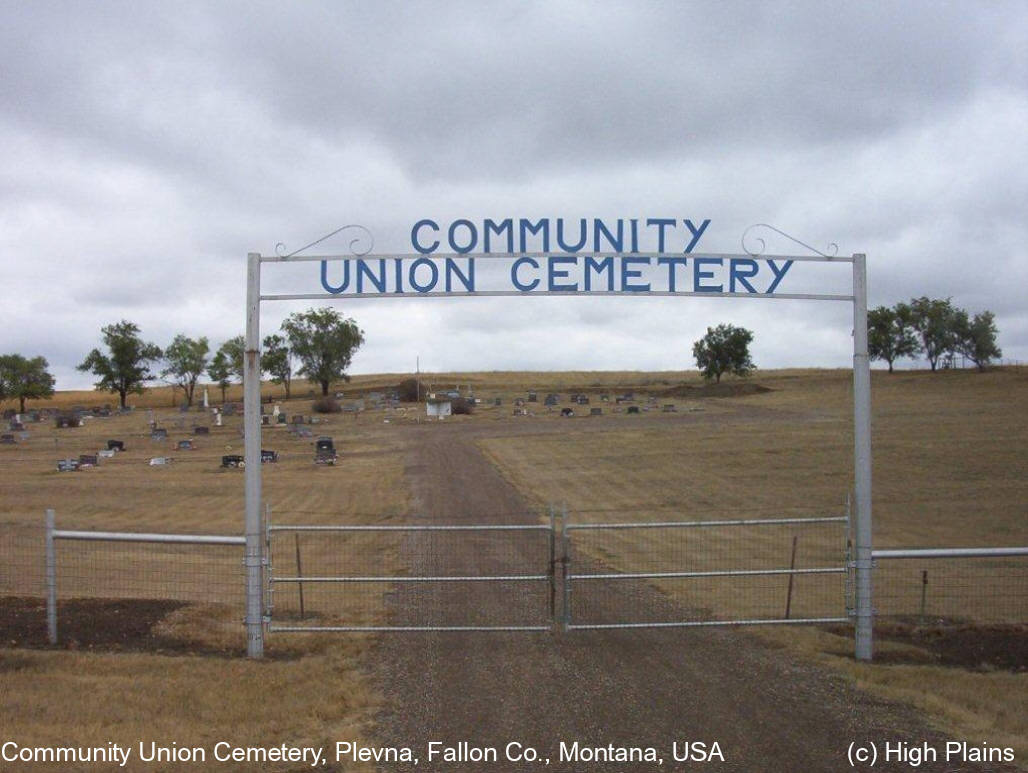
(438, 406)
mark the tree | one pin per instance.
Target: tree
(890, 333)
(935, 321)
(724, 349)
(24, 379)
(220, 371)
(234, 349)
(187, 359)
(976, 338)
(127, 367)
(277, 360)
(324, 343)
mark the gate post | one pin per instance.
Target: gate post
(252, 455)
(862, 461)
(566, 563)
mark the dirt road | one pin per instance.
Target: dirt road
(633, 688)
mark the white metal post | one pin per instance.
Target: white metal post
(252, 456)
(51, 579)
(862, 461)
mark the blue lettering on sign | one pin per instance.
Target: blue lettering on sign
(605, 268)
(523, 287)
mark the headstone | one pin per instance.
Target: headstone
(282, 418)
(595, 411)
(67, 465)
(551, 400)
(566, 412)
(217, 420)
(497, 401)
(201, 430)
(10, 413)
(265, 420)
(633, 409)
(88, 460)
(206, 404)
(185, 445)
(7, 439)
(106, 453)
(303, 432)
(533, 397)
(160, 461)
(268, 457)
(116, 445)
(669, 408)
(276, 411)
(159, 433)
(232, 460)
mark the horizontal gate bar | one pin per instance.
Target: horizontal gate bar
(693, 524)
(950, 552)
(478, 527)
(708, 623)
(543, 255)
(383, 628)
(713, 573)
(389, 578)
(125, 536)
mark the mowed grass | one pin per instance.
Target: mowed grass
(310, 689)
(950, 470)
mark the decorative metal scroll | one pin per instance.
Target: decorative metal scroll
(354, 245)
(833, 248)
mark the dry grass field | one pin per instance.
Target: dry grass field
(950, 464)
(950, 469)
(185, 680)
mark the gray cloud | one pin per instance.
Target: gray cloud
(150, 146)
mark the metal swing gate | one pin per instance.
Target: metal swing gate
(411, 577)
(503, 577)
(713, 573)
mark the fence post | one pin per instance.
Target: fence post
(51, 579)
(792, 566)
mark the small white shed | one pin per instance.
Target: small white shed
(439, 406)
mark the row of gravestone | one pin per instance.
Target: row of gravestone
(91, 460)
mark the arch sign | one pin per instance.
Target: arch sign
(556, 257)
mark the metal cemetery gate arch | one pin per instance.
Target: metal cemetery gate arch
(526, 278)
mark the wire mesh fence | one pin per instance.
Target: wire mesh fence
(951, 589)
(727, 571)
(23, 559)
(411, 576)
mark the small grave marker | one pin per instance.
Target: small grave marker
(186, 445)
(88, 460)
(160, 461)
(595, 411)
(106, 453)
(7, 439)
(232, 460)
(159, 433)
(268, 457)
(201, 430)
(67, 465)
(633, 409)
(116, 445)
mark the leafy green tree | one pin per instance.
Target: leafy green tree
(976, 338)
(234, 348)
(935, 321)
(187, 359)
(220, 371)
(724, 349)
(127, 366)
(324, 343)
(277, 360)
(890, 333)
(24, 379)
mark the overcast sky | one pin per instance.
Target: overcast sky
(147, 147)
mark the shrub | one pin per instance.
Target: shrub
(461, 405)
(326, 405)
(407, 391)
